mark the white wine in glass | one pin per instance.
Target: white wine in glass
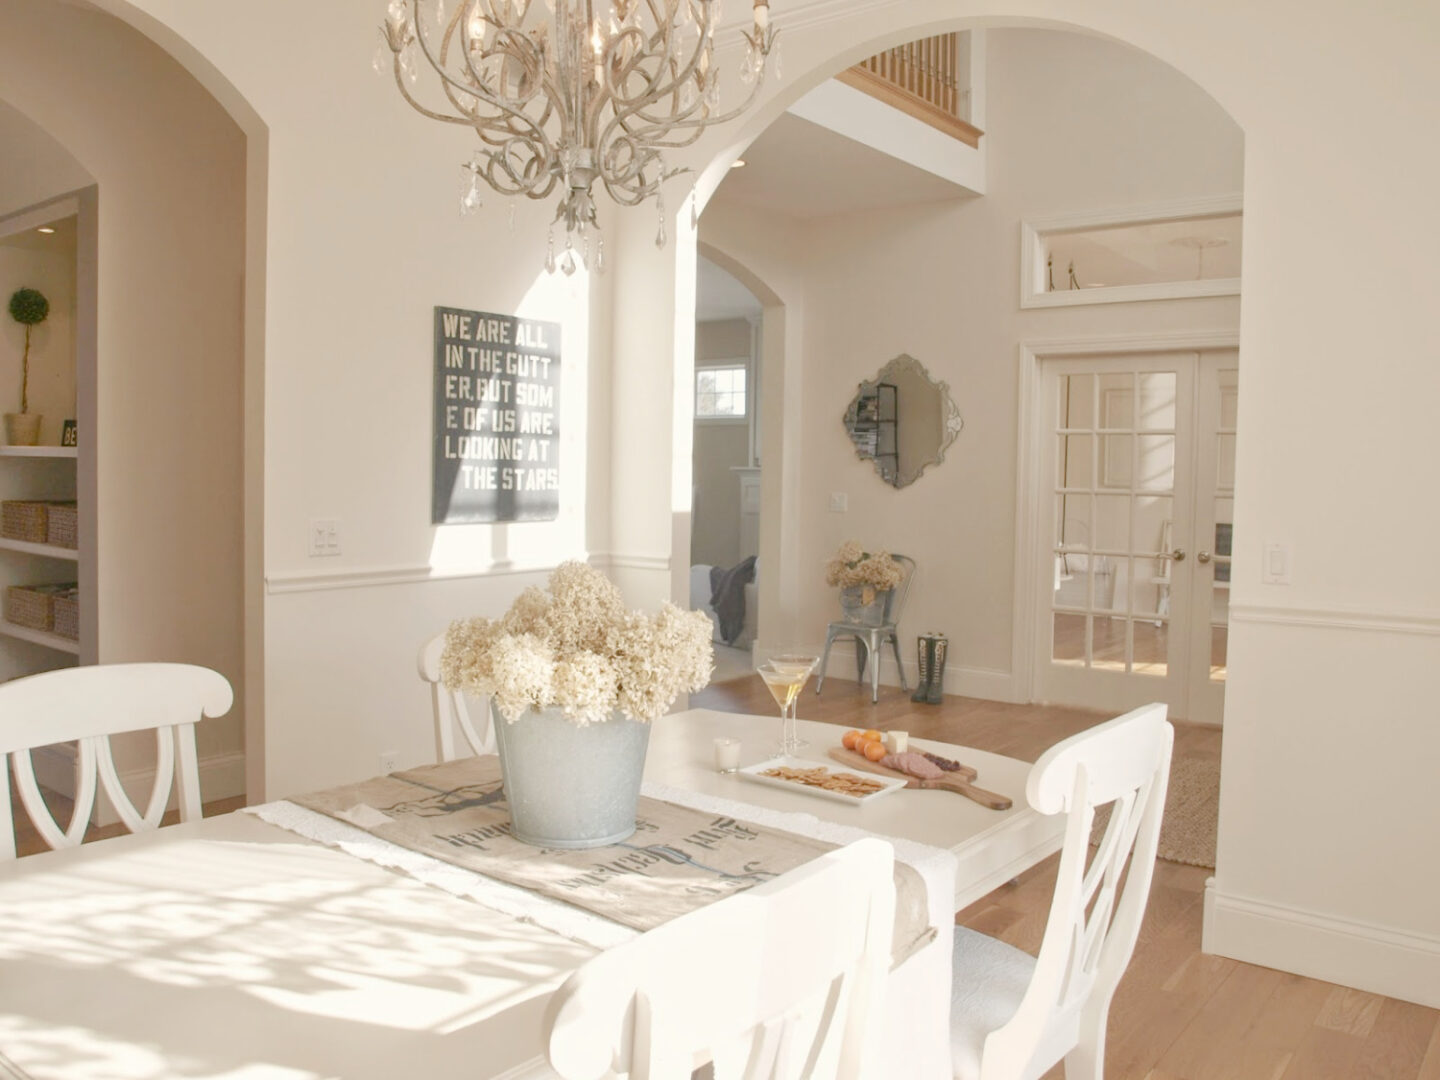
(786, 675)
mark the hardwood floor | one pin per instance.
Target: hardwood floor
(1179, 1014)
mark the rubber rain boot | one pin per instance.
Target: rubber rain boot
(935, 688)
(923, 646)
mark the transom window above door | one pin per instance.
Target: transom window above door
(721, 392)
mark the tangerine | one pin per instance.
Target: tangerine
(873, 736)
(874, 750)
(851, 740)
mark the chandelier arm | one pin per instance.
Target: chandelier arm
(536, 182)
(476, 91)
(654, 90)
(732, 114)
(622, 119)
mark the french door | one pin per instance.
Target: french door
(1133, 570)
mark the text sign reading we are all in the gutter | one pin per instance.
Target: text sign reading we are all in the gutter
(497, 418)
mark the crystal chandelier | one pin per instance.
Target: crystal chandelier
(584, 91)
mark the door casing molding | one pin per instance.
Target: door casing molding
(1028, 456)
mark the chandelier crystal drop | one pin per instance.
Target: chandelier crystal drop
(567, 93)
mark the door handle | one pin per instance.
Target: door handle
(1204, 556)
(1178, 555)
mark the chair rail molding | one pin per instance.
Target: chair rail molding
(620, 561)
(1370, 620)
(371, 577)
(1029, 453)
(1032, 262)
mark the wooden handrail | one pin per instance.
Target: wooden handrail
(922, 79)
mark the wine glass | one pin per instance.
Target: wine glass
(786, 674)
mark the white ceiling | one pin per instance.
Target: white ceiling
(803, 170)
(62, 240)
(718, 295)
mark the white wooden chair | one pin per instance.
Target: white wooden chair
(781, 982)
(1013, 1016)
(449, 709)
(87, 705)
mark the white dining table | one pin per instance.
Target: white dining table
(990, 846)
(231, 949)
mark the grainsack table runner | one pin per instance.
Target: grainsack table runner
(679, 859)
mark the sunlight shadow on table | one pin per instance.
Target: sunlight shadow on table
(115, 968)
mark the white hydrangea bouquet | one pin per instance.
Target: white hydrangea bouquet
(872, 571)
(574, 646)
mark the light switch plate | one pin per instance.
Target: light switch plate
(1276, 564)
(839, 502)
(324, 537)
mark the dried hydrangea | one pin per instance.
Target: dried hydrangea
(573, 645)
(587, 687)
(522, 673)
(874, 571)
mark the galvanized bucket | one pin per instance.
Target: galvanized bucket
(855, 610)
(570, 786)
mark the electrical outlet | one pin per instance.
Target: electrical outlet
(839, 502)
(389, 761)
(324, 537)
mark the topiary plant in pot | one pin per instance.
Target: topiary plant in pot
(28, 307)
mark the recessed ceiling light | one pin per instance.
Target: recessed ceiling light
(738, 163)
(46, 229)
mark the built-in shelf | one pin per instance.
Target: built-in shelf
(39, 451)
(51, 551)
(40, 637)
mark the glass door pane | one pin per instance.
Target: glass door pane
(1117, 449)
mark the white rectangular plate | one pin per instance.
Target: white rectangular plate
(753, 772)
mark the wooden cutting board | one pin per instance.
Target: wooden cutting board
(948, 782)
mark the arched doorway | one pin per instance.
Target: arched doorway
(176, 330)
(972, 336)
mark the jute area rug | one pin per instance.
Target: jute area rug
(1192, 813)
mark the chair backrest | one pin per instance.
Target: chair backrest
(895, 602)
(1093, 926)
(780, 982)
(87, 705)
(449, 710)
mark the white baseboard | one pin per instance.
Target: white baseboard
(983, 683)
(222, 776)
(1319, 946)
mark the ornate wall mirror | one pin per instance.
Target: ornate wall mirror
(902, 420)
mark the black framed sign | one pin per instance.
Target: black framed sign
(497, 418)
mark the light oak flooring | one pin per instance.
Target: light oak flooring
(1179, 1014)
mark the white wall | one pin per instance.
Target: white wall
(34, 167)
(941, 282)
(359, 238)
(170, 168)
(355, 190)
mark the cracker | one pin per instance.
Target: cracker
(843, 783)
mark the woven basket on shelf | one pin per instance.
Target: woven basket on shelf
(67, 614)
(31, 606)
(24, 519)
(62, 525)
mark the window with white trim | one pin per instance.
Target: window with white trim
(721, 392)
